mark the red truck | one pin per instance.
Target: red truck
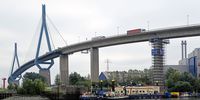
(134, 31)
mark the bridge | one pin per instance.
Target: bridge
(94, 45)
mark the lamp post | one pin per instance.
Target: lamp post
(113, 85)
(156, 83)
(101, 84)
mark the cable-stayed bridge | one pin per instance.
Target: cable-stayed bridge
(156, 37)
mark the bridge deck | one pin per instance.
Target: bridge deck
(176, 32)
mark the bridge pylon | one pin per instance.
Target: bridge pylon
(43, 29)
(44, 71)
(15, 58)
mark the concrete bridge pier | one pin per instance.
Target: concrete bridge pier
(64, 69)
(46, 74)
(94, 64)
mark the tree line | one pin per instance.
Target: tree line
(34, 84)
(181, 82)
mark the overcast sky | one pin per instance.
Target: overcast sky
(77, 20)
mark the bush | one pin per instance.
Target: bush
(32, 87)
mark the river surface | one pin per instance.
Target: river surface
(26, 98)
(175, 99)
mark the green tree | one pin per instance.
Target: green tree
(175, 76)
(39, 86)
(11, 87)
(180, 82)
(187, 77)
(182, 86)
(74, 78)
(85, 83)
(170, 84)
(32, 84)
(169, 72)
(136, 77)
(28, 86)
(77, 79)
(196, 85)
(32, 76)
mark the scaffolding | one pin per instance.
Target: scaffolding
(158, 60)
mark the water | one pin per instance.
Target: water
(26, 98)
(175, 99)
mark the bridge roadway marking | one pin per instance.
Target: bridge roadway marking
(168, 33)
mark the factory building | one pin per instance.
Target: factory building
(189, 64)
(194, 62)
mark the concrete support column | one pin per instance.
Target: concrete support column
(94, 64)
(46, 74)
(64, 69)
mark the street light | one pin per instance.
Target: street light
(113, 85)
(156, 83)
(101, 85)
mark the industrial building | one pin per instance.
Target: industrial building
(189, 64)
(194, 62)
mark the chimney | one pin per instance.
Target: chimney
(184, 49)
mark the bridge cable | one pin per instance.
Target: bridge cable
(51, 22)
(32, 41)
(50, 35)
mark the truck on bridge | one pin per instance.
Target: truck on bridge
(135, 31)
